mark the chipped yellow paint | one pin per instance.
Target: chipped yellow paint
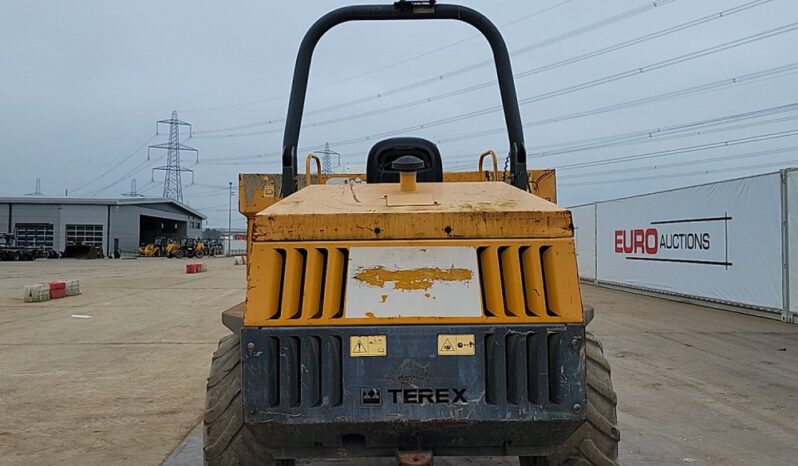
(413, 279)
(384, 298)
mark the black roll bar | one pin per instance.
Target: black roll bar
(403, 10)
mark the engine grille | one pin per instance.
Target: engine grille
(299, 371)
(304, 283)
(524, 280)
(520, 281)
(525, 367)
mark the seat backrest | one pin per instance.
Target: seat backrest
(382, 154)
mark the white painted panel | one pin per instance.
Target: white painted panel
(717, 241)
(584, 218)
(413, 281)
(792, 222)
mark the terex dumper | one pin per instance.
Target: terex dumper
(407, 311)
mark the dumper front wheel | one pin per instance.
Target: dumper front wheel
(595, 443)
(226, 440)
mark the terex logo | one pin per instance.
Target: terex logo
(427, 395)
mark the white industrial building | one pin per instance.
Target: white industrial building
(114, 224)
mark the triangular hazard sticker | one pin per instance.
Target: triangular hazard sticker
(447, 347)
(359, 348)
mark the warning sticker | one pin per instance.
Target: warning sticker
(456, 345)
(371, 345)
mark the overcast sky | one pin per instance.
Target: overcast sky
(83, 82)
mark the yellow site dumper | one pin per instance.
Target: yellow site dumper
(407, 311)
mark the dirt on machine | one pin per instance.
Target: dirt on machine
(409, 311)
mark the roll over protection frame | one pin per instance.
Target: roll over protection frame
(403, 10)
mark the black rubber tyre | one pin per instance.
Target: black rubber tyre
(595, 443)
(178, 253)
(226, 440)
(199, 253)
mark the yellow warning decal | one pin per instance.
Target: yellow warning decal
(370, 345)
(456, 345)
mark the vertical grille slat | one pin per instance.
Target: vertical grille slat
(558, 281)
(538, 375)
(534, 288)
(292, 283)
(289, 371)
(512, 280)
(273, 272)
(311, 290)
(516, 369)
(332, 382)
(557, 393)
(335, 279)
(495, 369)
(490, 270)
(272, 376)
(310, 392)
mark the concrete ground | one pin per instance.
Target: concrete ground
(123, 386)
(696, 385)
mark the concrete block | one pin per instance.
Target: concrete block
(57, 290)
(72, 287)
(37, 293)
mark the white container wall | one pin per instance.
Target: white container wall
(584, 218)
(723, 242)
(791, 198)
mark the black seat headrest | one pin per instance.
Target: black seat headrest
(383, 154)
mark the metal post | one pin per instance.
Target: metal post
(595, 244)
(786, 315)
(108, 234)
(229, 217)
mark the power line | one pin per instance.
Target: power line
(673, 132)
(597, 82)
(769, 73)
(412, 86)
(384, 67)
(746, 78)
(694, 128)
(681, 150)
(637, 71)
(534, 71)
(125, 176)
(677, 175)
(686, 163)
(139, 146)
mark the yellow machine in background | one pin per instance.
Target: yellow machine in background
(173, 249)
(407, 311)
(149, 250)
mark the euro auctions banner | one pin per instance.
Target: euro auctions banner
(717, 241)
